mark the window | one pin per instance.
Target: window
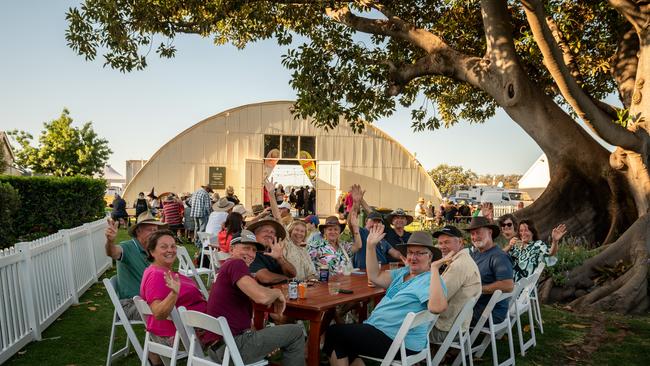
(289, 147)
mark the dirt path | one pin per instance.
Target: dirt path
(580, 352)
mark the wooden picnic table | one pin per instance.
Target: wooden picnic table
(318, 302)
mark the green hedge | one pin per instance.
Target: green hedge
(48, 204)
(9, 205)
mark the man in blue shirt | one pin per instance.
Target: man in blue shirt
(493, 264)
(384, 250)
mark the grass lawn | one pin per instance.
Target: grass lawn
(80, 337)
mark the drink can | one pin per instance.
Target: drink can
(324, 274)
(302, 290)
(293, 290)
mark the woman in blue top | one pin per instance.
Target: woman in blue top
(413, 288)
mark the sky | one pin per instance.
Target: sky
(138, 112)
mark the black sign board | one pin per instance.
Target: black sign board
(218, 177)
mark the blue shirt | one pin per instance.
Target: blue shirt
(359, 260)
(494, 265)
(400, 299)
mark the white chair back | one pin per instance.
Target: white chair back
(456, 332)
(120, 319)
(194, 320)
(164, 350)
(534, 298)
(186, 268)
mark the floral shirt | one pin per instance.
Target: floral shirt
(322, 253)
(525, 260)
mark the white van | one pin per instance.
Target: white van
(506, 197)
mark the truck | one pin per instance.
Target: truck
(496, 195)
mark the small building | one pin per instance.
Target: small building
(536, 178)
(241, 146)
(8, 155)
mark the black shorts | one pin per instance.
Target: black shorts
(352, 340)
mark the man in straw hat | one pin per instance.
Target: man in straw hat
(493, 264)
(461, 277)
(270, 265)
(413, 288)
(220, 211)
(131, 256)
(232, 296)
(399, 220)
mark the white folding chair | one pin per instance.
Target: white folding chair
(207, 251)
(173, 353)
(120, 320)
(411, 321)
(456, 332)
(496, 331)
(534, 299)
(193, 320)
(523, 305)
(478, 327)
(186, 268)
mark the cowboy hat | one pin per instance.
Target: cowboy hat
(399, 212)
(331, 221)
(286, 205)
(240, 209)
(422, 239)
(280, 231)
(482, 221)
(222, 205)
(145, 218)
(247, 237)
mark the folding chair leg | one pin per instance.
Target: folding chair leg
(109, 357)
(537, 312)
(521, 336)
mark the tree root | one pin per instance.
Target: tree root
(627, 293)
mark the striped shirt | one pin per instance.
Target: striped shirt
(172, 213)
(201, 203)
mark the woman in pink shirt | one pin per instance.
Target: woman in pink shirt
(163, 289)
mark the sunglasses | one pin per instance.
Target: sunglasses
(506, 224)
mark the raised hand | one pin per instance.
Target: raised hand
(357, 193)
(269, 185)
(353, 219)
(277, 249)
(375, 235)
(111, 230)
(172, 281)
(435, 266)
(558, 232)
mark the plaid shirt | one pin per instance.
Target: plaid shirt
(201, 204)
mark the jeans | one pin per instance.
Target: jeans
(199, 225)
(255, 345)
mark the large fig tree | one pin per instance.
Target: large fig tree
(548, 64)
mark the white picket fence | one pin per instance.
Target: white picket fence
(40, 279)
(500, 210)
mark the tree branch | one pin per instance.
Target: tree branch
(593, 116)
(498, 32)
(567, 56)
(632, 13)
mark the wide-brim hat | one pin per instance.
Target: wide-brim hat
(247, 237)
(482, 221)
(240, 209)
(280, 231)
(399, 212)
(331, 221)
(222, 205)
(422, 239)
(145, 218)
(286, 205)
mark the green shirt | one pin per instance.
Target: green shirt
(130, 268)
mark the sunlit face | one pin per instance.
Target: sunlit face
(482, 238)
(448, 244)
(265, 234)
(284, 212)
(399, 222)
(508, 229)
(418, 259)
(332, 233)
(298, 234)
(164, 254)
(525, 234)
(245, 252)
(144, 231)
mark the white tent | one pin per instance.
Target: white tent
(536, 178)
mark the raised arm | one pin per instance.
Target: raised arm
(161, 309)
(557, 235)
(112, 250)
(270, 187)
(375, 274)
(437, 300)
(277, 253)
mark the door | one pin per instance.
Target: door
(328, 186)
(253, 183)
